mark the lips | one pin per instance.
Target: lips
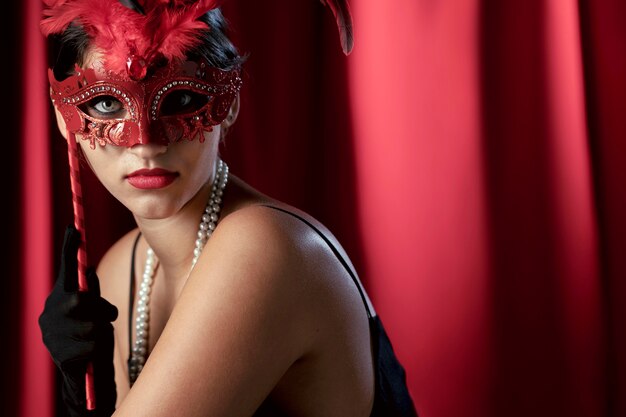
(151, 179)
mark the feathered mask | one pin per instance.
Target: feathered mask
(163, 28)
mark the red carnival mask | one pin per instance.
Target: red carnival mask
(132, 77)
(143, 90)
(176, 102)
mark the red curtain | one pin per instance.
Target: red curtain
(36, 369)
(488, 149)
(470, 156)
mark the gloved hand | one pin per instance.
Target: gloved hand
(76, 329)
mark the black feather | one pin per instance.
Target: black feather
(133, 5)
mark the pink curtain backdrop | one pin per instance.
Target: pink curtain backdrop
(36, 254)
(470, 155)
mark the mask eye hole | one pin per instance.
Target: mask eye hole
(182, 102)
(105, 107)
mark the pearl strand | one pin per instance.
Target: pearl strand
(208, 224)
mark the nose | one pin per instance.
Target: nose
(148, 150)
(144, 133)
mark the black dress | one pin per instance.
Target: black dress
(391, 396)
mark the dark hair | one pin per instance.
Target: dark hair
(218, 50)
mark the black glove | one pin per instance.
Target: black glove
(76, 329)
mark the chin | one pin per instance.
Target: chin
(153, 208)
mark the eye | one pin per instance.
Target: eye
(182, 102)
(105, 106)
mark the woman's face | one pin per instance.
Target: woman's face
(153, 180)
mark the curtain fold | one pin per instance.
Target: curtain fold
(603, 27)
(36, 377)
(470, 157)
(414, 85)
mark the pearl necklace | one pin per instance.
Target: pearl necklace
(208, 224)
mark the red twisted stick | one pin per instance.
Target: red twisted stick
(79, 223)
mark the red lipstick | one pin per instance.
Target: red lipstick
(151, 179)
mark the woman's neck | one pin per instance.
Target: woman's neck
(173, 239)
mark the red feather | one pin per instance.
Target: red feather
(341, 10)
(59, 14)
(174, 30)
(169, 27)
(174, 34)
(53, 3)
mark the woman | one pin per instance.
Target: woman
(239, 304)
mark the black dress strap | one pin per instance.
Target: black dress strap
(335, 251)
(131, 300)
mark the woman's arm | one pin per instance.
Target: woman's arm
(242, 319)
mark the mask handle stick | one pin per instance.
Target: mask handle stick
(79, 223)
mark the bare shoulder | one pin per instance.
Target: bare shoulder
(278, 246)
(260, 228)
(283, 236)
(273, 240)
(264, 246)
